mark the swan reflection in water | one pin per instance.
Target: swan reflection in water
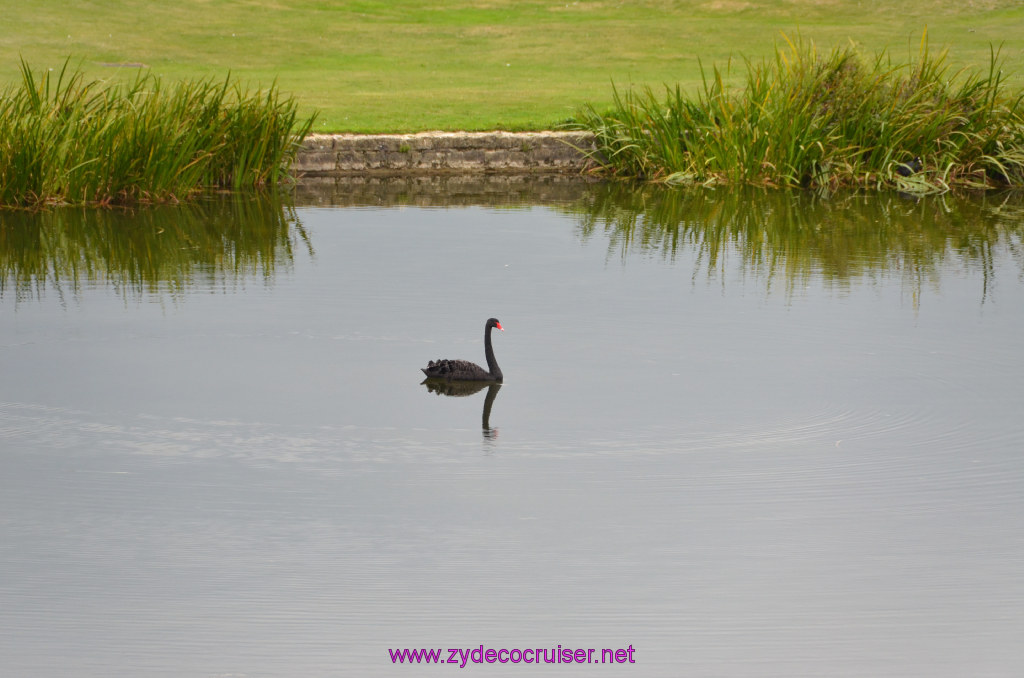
(467, 388)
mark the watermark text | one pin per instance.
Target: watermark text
(463, 656)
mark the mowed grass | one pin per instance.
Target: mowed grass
(404, 65)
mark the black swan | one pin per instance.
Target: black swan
(463, 370)
(907, 168)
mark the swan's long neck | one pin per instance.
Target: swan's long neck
(492, 364)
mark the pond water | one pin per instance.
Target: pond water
(740, 434)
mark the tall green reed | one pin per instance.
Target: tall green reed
(68, 140)
(809, 119)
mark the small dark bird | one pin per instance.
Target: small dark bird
(905, 169)
(463, 370)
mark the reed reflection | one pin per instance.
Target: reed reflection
(223, 240)
(460, 389)
(793, 235)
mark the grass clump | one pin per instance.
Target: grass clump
(66, 140)
(822, 121)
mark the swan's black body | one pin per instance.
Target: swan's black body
(907, 168)
(463, 370)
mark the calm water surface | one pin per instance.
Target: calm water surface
(745, 434)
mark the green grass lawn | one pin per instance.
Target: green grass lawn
(407, 65)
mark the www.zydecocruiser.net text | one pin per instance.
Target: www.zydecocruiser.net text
(462, 657)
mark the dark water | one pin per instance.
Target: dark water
(744, 434)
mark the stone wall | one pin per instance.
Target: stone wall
(438, 152)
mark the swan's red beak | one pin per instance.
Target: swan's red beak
(498, 325)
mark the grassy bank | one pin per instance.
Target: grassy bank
(412, 65)
(823, 120)
(65, 139)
